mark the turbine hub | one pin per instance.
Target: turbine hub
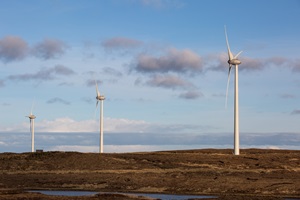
(234, 61)
(32, 116)
(100, 98)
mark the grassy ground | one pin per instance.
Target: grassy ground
(255, 174)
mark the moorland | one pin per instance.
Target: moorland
(254, 174)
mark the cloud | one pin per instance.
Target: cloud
(111, 125)
(13, 48)
(66, 124)
(296, 66)
(295, 112)
(137, 142)
(169, 81)
(251, 64)
(159, 4)
(112, 72)
(121, 43)
(287, 96)
(44, 74)
(2, 84)
(49, 49)
(180, 61)
(219, 63)
(91, 83)
(58, 100)
(191, 95)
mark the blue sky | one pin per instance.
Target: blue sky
(162, 65)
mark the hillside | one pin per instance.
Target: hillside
(266, 173)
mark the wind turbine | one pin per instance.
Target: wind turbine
(234, 61)
(100, 98)
(31, 118)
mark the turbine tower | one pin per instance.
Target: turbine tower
(31, 118)
(234, 61)
(100, 98)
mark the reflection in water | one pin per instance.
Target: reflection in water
(65, 193)
(88, 193)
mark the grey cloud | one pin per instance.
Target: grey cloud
(49, 48)
(120, 43)
(277, 61)
(88, 100)
(219, 63)
(181, 61)
(249, 64)
(58, 100)
(252, 64)
(159, 4)
(169, 81)
(112, 72)
(2, 84)
(295, 112)
(65, 84)
(287, 96)
(13, 48)
(62, 70)
(138, 81)
(191, 95)
(44, 74)
(296, 66)
(91, 82)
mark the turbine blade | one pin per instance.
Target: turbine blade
(230, 56)
(228, 80)
(30, 126)
(96, 109)
(97, 90)
(31, 108)
(237, 54)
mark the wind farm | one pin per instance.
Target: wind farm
(166, 67)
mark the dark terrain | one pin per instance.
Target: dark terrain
(255, 174)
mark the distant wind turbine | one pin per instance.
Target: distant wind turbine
(31, 118)
(234, 61)
(100, 98)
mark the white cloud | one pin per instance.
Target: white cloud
(66, 124)
(89, 149)
(111, 125)
(120, 148)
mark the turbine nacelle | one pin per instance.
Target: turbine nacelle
(234, 61)
(100, 98)
(31, 116)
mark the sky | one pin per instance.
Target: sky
(162, 66)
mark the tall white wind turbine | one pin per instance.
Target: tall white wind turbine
(100, 98)
(31, 118)
(234, 61)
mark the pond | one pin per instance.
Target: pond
(88, 193)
